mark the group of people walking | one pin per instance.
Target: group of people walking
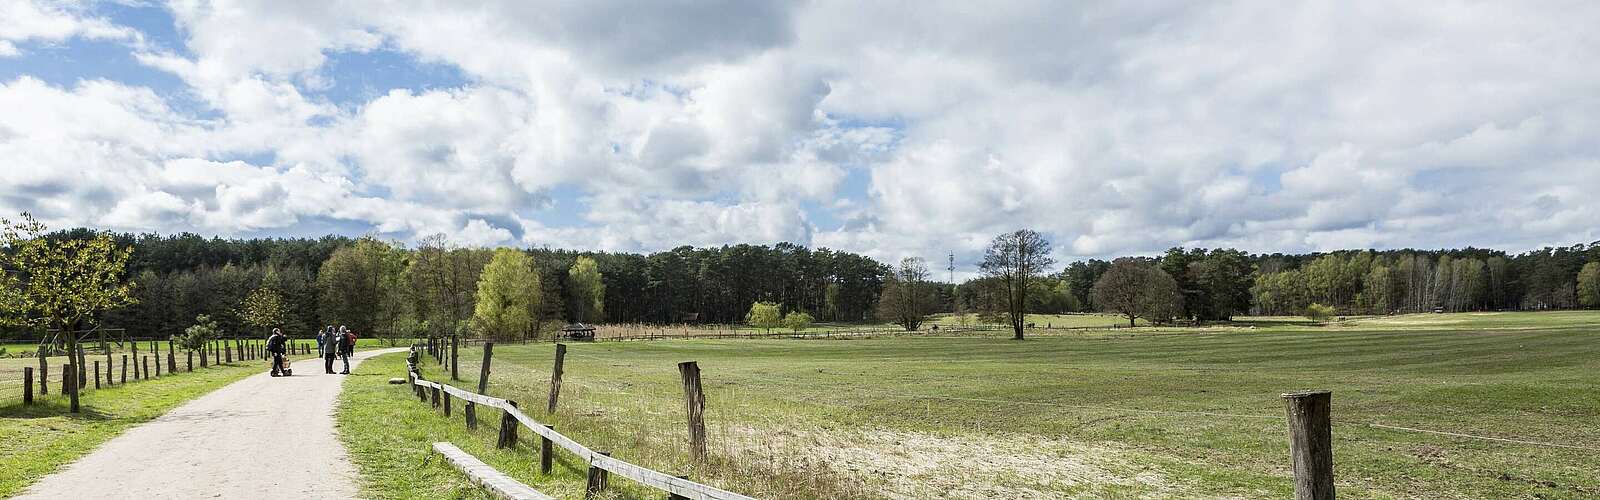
(331, 344)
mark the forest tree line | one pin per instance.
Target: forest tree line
(435, 288)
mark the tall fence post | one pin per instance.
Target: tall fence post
(483, 384)
(27, 385)
(145, 360)
(172, 359)
(455, 357)
(1311, 443)
(546, 452)
(124, 379)
(227, 352)
(597, 479)
(69, 383)
(695, 402)
(555, 377)
(508, 427)
(188, 361)
(82, 374)
(44, 373)
(158, 360)
(135, 346)
(97, 374)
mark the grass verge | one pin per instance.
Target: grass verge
(35, 440)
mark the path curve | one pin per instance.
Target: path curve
(261, 437)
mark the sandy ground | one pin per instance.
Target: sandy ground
(261, 437)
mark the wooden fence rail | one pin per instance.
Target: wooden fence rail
(668, 483)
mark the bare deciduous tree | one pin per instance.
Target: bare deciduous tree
(1014, 259)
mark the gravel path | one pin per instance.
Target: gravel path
(261, 437)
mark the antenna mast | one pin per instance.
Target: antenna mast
(952, 268)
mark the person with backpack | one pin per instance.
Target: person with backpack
(330, 349)
(275, 346)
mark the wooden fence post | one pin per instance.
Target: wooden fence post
(83, 380)
(434, 396)
(124, 379)
(227, 352)
(172, 359)
(97, 374)
(69, 383)
(145, 360)
(455, 357)
(44, 373)
(188, 361)
(555, 377)
(695, 402)
(446, 397)
(508, 428)
(597, 479)
(158, 360)
(135, 346)
(483, 384)
(27, 385)
(546, 452)
(1311, 443)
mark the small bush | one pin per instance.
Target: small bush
(797, 321)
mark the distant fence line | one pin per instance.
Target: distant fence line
(108, 369)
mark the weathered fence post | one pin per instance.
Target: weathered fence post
(158, 360)
(82, 374)
(124, 379)
(508, 427)
(1311, 443)
(44, 373)
(555, 376)
(135, 346)
(434, 395)
(27, 385)
(69, 383)
(597, 479)
(483, 384)
(546, 451)
(172, 359)
(188, 361)
(446, 397)
(695, 402)
(97, 374)
(145, 360)
(227, 352)
(455, 357)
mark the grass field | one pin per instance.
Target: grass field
(1128, 413)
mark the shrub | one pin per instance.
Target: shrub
(797, 321)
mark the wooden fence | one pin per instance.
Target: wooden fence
(601, 464)
(109, 369)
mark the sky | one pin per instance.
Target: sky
(893, 129)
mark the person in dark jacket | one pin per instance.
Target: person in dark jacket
(347, 346)
(275, 346)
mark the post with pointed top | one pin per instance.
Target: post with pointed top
(695, 403)
(1311, 443)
